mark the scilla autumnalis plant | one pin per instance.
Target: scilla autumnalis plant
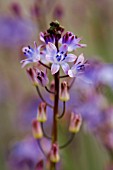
(54, 59)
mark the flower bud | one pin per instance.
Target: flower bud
(36, 129)
(75, 122)
(40, 165)
(41, 77)
(41, 113)
(64, 94)
(54, 153)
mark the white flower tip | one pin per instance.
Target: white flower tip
(80, 59)
(24, 49)
(70, 73)
(42, 36)
(35, 44)
(84, 45)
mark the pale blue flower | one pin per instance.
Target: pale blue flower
(78, 67)
(33, 55)
(59, 57)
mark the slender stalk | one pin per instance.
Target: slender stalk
(39, 93)
(55, 115)
(55, 112)
(48, 90)
(44, 133)
(63, 112)
(68, 142)
(65, 76)
(71, 84)
(39, 144)
(45, 65)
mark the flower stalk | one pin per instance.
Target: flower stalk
(55, 114)
(53, 54)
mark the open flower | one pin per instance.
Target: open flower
(33, 55)
(72, 41)
(59, 58)
(78, 67)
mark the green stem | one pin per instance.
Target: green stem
(44, 133)
(40, 95)
(63, 112)
(68, 142)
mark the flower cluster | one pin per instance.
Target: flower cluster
(56, 51)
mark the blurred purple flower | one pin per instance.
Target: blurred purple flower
(26, 154)
(58, 12)
(98, 73)
(15, 31)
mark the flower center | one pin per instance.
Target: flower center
(60, 56)
(80, 67)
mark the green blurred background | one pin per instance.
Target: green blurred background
(92, 20)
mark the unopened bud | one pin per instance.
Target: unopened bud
(41, 76)
(64, 93)
(75, 122)
(40, 165)
(54, 153)
(41, 113)
(36, 129)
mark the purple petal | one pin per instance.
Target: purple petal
(50, 58)
(72, 73)
(70, 58)
(81, 45)
(71, 47)
(65, 67)
(42, 36)
(54, 68)
(51, 49)
(25, 62)
(77, 40)
(64, 48)
(80, 59)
